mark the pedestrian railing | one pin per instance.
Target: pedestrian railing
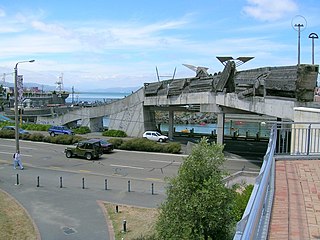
(286, 139)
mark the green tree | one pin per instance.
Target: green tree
(198, 205)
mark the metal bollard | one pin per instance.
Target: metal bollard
(38, 181)
(106, 184)
(60, 182)
(83, 183)
(152, 189)
(124, 226)
(17, 179)
(117, 208)
(129, 188)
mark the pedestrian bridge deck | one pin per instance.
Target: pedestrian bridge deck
(296, 208)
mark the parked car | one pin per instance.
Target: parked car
(89, 149)
(106, 146)
(59, 130)
(12, 128)
(155, 136)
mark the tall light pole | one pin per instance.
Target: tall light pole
(299, 23)
(16, 114)
(299, 26)
(313, 36)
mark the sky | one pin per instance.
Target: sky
(100, 44)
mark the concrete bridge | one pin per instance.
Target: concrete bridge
(286, 93)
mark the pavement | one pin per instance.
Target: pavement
(296, 206)
(71, 212)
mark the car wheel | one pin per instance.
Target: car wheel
(88, 156)
(68, 154)
(52, 134)
(161, 140)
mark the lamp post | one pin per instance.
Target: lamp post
(313, 36)
(16, 114)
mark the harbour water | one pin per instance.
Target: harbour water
(240, 127)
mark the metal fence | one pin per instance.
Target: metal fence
(286, 139)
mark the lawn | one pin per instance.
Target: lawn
(15, 223)
(140, 222)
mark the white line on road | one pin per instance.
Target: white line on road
(15, 146)
(161, 161)
(25, 155)
(123, 166)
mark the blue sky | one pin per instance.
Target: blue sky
(105, 44)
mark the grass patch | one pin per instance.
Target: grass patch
(140, 221)
(14, 221)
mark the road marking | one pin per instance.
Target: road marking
(161, 161)
(124, 166)
(23, 155)
(87, 171)
(55, 167)
(154, 179)
(15, 146)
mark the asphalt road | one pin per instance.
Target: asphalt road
(65, 205)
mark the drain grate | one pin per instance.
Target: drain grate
(68, 230)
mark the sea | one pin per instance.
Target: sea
(242, 128)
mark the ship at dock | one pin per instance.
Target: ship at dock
(34, 102)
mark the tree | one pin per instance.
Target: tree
(198, 205)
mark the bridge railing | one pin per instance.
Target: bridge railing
(290, 139)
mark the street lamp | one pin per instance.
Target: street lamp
(313, 36)
(16, 116)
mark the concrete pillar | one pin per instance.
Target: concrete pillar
(170, 130)
(96, 124)
(220, 130)
(149, 119)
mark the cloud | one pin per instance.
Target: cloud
(269, 10)
(2, 13)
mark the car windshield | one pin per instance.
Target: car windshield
(158, 134)
(103, 142)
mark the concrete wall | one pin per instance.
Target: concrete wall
(126, 114)
(129, 115)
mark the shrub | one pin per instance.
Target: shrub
(38, 137)
(82, 130)
(35, 127)
(116, 142)
(7, 134)
(114, 133)
(172, 147)
(143, 144)
(63, 139)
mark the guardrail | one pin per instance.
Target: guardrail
(294, 139)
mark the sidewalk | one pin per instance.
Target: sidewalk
(296, 206)
(71, 212)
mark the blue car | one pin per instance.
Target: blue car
(60, 130)
(12, 128)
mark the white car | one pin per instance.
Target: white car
(155, 136)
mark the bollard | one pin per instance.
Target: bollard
(83, 183)
(129, 186)
(152, 189)
(124, 226)
(17, 179)
(38, 181)
(106, 184)
(60, 182)
(117, 208)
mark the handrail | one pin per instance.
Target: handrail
(248, 226)
(286, 138)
